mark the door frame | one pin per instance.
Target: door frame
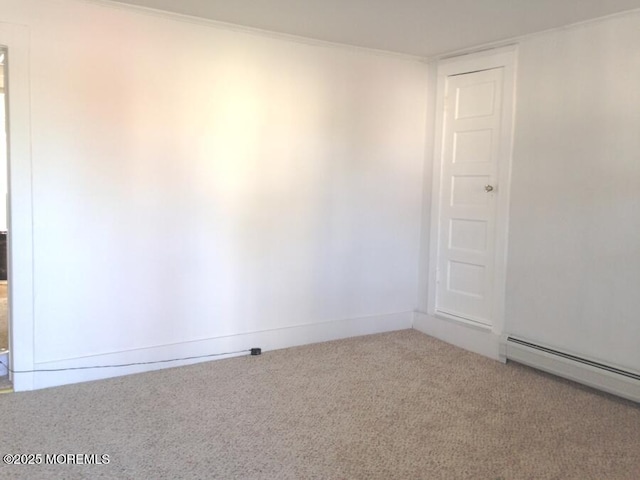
(505, 57)
(15, 39)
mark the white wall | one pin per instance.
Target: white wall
(193, 183)
(574, 256)
(427, 183)
(574, 224)
(197, 188)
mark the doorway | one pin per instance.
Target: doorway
(474, 121)
(4, 307)
(14, 43)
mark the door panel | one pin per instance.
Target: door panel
(472, 146)
(468, 235)
(470, 152)
(474, 100)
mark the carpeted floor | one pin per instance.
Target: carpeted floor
(391, 406)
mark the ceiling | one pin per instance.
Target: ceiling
(424, 28)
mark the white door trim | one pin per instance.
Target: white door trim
(20, 211)
(506, 58)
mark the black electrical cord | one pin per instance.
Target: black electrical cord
(253, 351)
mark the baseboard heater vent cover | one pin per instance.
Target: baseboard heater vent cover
(604, 377)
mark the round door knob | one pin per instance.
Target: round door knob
(488, 188)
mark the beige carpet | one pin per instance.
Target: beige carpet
(392, 406)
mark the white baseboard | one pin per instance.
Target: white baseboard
(266, 340)
(599, 378)
(475, 338)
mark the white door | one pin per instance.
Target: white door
(472, 141)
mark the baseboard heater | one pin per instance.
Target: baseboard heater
(604, 377)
